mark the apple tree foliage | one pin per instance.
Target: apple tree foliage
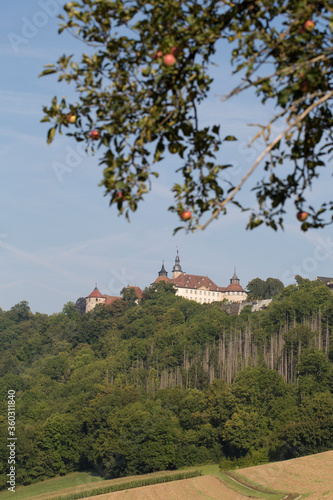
(142, 108)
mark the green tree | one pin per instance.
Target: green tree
(20, 312)
(61, 440)
(260, 289)
(158, 293)
(80, 305)
(256, 288)
(243, 431)
(314, 363)
(148, 67)
(129, 294)
(139, 439)
(273, 287)
(71, 310)
(300, 280)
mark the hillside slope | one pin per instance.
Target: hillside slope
(195, 489)
(308, 475)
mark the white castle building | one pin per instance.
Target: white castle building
(96, 298)
(190, 286)
(201, 288)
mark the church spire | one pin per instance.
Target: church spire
(163, 272)
(235, 279)
(177, 270)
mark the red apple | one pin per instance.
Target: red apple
(309, 25)
(186, 215)
(304, 85)
(119, 195)
(95, 135)
(302, 216)
(169, 60)
(71, 118)
(175, 51)
(157, 54)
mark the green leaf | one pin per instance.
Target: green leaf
(47, 71)
(51, 133)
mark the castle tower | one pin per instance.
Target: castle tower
(94, 298)
(163, 272)
(235, 279)
(176, 270)
(234, 292)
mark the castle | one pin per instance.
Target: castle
(96, 298)
(199, 288)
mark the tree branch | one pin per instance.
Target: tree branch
(264, 153)
(280, 74)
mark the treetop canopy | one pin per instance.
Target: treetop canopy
(149, 66)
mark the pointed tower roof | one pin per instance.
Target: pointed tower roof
(177, 267)
(163, 272)
(235, 285)
(235, 279)
(96, 293)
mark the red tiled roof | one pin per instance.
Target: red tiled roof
(163, 278)
(234, 287)
(194, 281)
(96, 293)
(110, 299)
(138, 291)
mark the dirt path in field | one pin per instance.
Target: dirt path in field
(198, 488)
(312, 474)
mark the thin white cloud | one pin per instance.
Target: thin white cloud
(5, 286)
(28, 52)
(21, 137)
(36, 260)
(23, 103)
(43, 285)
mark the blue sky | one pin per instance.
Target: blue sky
(58, 235)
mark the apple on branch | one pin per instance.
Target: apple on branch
(95, 135)
(304, 85)
(186, 215)
(169, 60)
(302, 216)
(157, 55)
(175, 51)
(71, 118)
(309, 25)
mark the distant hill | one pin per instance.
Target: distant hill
(167, 383)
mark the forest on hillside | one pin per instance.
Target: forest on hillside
(166, 383)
